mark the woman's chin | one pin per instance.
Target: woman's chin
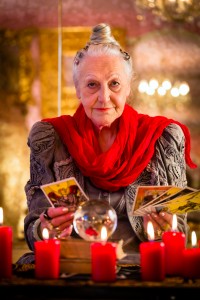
(100, 126)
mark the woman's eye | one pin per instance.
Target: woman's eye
(114, 83)
(91, 84)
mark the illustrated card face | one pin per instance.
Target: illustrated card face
(165, 198)
(182, 192)
(65, 192)
(183, 204)
(172, 190)
(147, 194)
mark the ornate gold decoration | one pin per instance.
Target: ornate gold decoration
(173, 10)
(16, 66)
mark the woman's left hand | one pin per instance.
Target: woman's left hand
(58, 220)
(161, 222)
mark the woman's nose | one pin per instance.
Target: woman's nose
(104, 94)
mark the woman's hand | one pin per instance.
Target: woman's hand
(161, 222)
(58, 220)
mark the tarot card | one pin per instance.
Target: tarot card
(168, 193)
(149, 207)
(183, 204)
(182, 192)
(66, 192)
(159, 203)
(147, 194)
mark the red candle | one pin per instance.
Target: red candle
(6, 236)
(191, 260)
(103, 260)
(174, 244)
(152, 260)
(47, 257)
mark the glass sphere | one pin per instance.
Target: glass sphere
(91, 216)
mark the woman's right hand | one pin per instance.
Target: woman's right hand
(58, 220)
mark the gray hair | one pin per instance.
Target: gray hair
(101, 42)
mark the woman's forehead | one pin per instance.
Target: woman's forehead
(104, 65)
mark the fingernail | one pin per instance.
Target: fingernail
(162, 214)
(65, 209)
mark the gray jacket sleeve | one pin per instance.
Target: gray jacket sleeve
(167, 167)
(44, 147)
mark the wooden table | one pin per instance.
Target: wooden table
(128, 285)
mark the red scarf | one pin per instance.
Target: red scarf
(130, 153)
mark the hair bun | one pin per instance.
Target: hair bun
(104, 28)
(101, 34)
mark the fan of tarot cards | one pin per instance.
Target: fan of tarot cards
(172, 199)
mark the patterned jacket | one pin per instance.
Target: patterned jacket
(50, 161)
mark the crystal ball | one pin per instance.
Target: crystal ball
(91, 216)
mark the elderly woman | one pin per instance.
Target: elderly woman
(107, 146)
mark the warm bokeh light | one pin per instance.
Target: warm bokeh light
(150, 91)
(161, 91)
(143, 86)
(167, 84)
(153, 83)
(184, 89)
(166, 89)
(175, 92)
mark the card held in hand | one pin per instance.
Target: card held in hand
(146, 195)
(66, 192)
(172, 199)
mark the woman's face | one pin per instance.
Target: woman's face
(103, 87)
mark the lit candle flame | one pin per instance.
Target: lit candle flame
(1, 215)
(174, 222)
(104, 234)
(150, 231)
(194, 239)
(45, 234)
